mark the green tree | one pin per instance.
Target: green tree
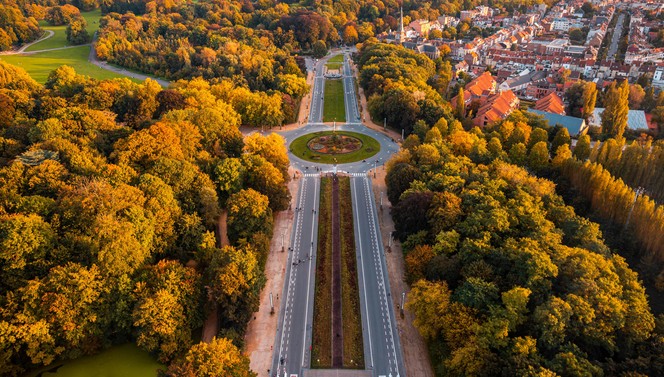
(518, 154)
(319, 49)
(398, 180)
(562, 138)
(429, 301)
(538, 158)
(76, 32)
(538, 135)
(248, 213)
(582, 148)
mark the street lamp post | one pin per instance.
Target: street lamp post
(375, 169)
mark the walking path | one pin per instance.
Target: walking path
(92, 58)
(261, 330)
(49, 34)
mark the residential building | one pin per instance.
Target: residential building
(550, 103)
(575, 126)
(496, 108)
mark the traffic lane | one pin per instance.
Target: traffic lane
(292, 353)
(289, 336)
(381, 327)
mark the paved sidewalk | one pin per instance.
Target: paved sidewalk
(261, 331)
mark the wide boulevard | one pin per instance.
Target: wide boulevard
(383, 356)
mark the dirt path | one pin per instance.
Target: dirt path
(337, 318)
(211, 325)
(416, 355)
(262, 329)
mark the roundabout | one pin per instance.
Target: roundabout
(334, 147)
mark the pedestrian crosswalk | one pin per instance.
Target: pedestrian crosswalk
(313, 175)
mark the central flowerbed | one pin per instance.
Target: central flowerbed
(334, 144)
(334, 147)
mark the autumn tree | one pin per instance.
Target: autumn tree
(76, 32)
(219, 357)
(562, 138)
(582, 148)
(167, 308)
(581, 98)
(248, 213)
(614, 117)
(460, 104)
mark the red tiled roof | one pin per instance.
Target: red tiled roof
(550, 103)
(497, 107)
(483, 82)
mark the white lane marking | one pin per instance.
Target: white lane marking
(288, 310)
(306, 312)
(364, 276)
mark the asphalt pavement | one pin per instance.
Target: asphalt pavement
(615, 37)
(292, 350)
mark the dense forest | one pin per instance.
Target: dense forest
(403, 88)
(109, 195)
(507, 279)
(16, 26)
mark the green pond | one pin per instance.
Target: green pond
(120, 361)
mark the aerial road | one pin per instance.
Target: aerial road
(382, 350)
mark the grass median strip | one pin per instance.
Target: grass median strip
(335, 62)
(352, 324)
(323, 335)
(333, 108)
(321, 347)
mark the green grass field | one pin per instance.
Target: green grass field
(39, 65)
(335, 62)
(370, 147)
(333, 108)
(120, 361)
(59, 39)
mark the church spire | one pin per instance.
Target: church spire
(401, 33)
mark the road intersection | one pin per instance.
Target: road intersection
(292, 350)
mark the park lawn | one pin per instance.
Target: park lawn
(126, 360)
(39, 65)
(299, 148)
(333, 108)
(59, 39)
(335, 62)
